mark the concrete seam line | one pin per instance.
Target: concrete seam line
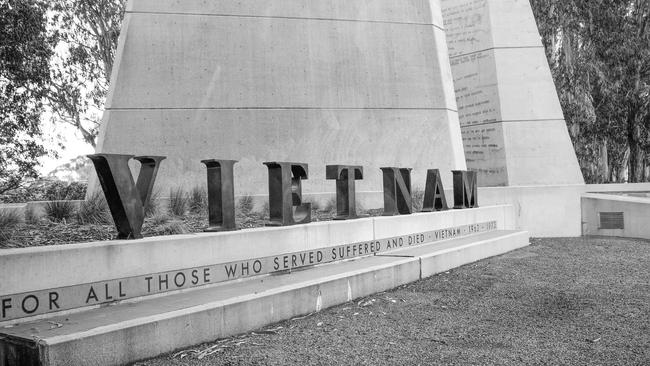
(514, 121)
(287, 17)
(496, 48)
(117, 109)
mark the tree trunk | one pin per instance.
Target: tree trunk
(624, 167)
(604, 174)
(635, 163)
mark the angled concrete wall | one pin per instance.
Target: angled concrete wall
(513, 127)
(320, 82)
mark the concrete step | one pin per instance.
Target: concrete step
(131, 331)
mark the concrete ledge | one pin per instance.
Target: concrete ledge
(102, 261)
(129, 332)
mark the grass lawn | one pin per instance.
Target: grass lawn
(560, 301)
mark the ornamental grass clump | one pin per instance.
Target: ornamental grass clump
(162, 224)
(152, 207)
(94, 210)
(198, 200)
(60, 211)
(8, 220)
(178, 202)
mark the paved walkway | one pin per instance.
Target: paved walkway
(560, 301)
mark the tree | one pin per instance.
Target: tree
(25, 51)
(89, 31)
(599, 51)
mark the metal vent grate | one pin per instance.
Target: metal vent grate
(612, 221)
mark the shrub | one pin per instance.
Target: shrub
(46, 190)
(178, 202)
(94, 210)
(245, 205)
(198, 200)
(60, 211)
(57, 190)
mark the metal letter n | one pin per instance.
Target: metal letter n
(465, 189)
(126, 198)
(397, 191)
(221, 195)
(345, 177)
(285, 194)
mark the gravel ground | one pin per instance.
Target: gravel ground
(560, 301)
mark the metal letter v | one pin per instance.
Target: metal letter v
(126, 199)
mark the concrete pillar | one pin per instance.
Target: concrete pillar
(512, 123)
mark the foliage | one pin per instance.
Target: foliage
(599, 52)
(46, 190)
(25, 51)
(89, 30)
(60, 211)
(94, 210)
(76, 169)
(178, 202)
(57, 190)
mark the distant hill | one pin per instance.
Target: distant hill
(75, 170)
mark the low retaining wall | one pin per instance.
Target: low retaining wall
(616, 215)
(50, 279)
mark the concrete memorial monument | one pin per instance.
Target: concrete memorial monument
(358, 94)
(320, 82)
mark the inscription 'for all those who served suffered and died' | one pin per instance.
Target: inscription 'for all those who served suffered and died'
(91, 294)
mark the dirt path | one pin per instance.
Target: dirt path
(560, 301)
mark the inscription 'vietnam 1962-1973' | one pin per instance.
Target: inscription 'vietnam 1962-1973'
(127, 198)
